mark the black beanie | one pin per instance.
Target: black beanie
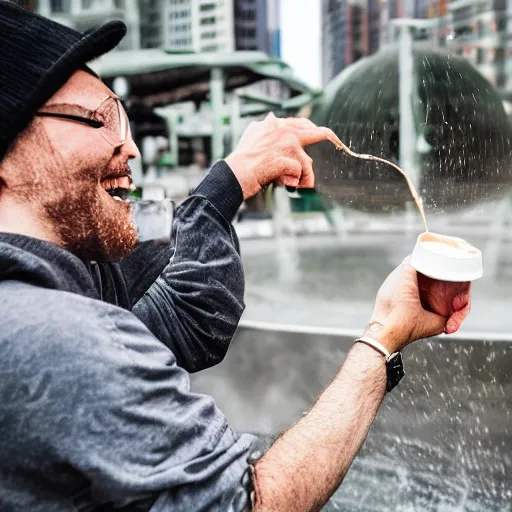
(37, 56)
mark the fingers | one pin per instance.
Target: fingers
(455, 321)
(308, 133)
(317, 134)
(463, 298)
(307, 179)
(292, 174)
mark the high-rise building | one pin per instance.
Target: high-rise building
(86, 14)
(351, 30)
(274, 28)
(251, 25)
(479, 32)
(188, 25)
(211, 25)
(257, 26)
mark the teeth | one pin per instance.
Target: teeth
(117, 198)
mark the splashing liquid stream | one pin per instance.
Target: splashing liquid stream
(417, 199)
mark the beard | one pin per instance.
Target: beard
(88, 221)
(68, 199)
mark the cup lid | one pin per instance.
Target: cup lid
(446, 258)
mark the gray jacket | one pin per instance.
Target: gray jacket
(95, 407)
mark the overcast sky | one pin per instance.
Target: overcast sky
(300, 38)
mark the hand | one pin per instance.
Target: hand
(400, 317)
(273, 150)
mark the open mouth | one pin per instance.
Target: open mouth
(117, 187)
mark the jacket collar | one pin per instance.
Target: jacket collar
(44, 264)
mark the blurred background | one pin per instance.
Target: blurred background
(426, 84)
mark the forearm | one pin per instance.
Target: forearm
(307, 463)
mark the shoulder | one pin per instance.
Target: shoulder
(62, 326)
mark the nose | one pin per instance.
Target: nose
(129, 149)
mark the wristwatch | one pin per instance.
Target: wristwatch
(394, 364)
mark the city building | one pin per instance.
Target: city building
(251, 25)
(350, 30)
(478, 30)
(188, 25)
(83, 15)
(274, 28)
(479, 33)
(211, 25)
(257, 26)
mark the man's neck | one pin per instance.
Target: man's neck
(21, 219)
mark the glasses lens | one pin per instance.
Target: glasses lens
(123, 121)
(114, 121)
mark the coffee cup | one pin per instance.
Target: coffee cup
(446, 258)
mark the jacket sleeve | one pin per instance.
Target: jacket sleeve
(194, 303)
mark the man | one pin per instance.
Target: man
(95, 407)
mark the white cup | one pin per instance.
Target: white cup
(446, 258)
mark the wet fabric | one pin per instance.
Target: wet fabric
(95, 407)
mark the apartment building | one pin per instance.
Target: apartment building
(86, 14)
(188, 25)
(350, 30)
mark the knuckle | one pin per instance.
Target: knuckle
(289, 139)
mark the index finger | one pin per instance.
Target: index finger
(308, 136)
(308, 133)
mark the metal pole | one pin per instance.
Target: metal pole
(217, 101)
(172, 122)
(407, 128)
(235, 119)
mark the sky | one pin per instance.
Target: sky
(301, 39)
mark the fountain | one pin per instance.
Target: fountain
(463, 135)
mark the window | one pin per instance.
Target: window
(208, 21)
(207, 7)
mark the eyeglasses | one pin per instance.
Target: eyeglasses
(109, 118)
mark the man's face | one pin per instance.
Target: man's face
(65, 171)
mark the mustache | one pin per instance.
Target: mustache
(117, 170)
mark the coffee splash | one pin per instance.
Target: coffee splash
(417, 199)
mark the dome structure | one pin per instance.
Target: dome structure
(463, 135)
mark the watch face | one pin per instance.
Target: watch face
(394, 370)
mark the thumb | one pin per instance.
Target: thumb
(431, 324)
